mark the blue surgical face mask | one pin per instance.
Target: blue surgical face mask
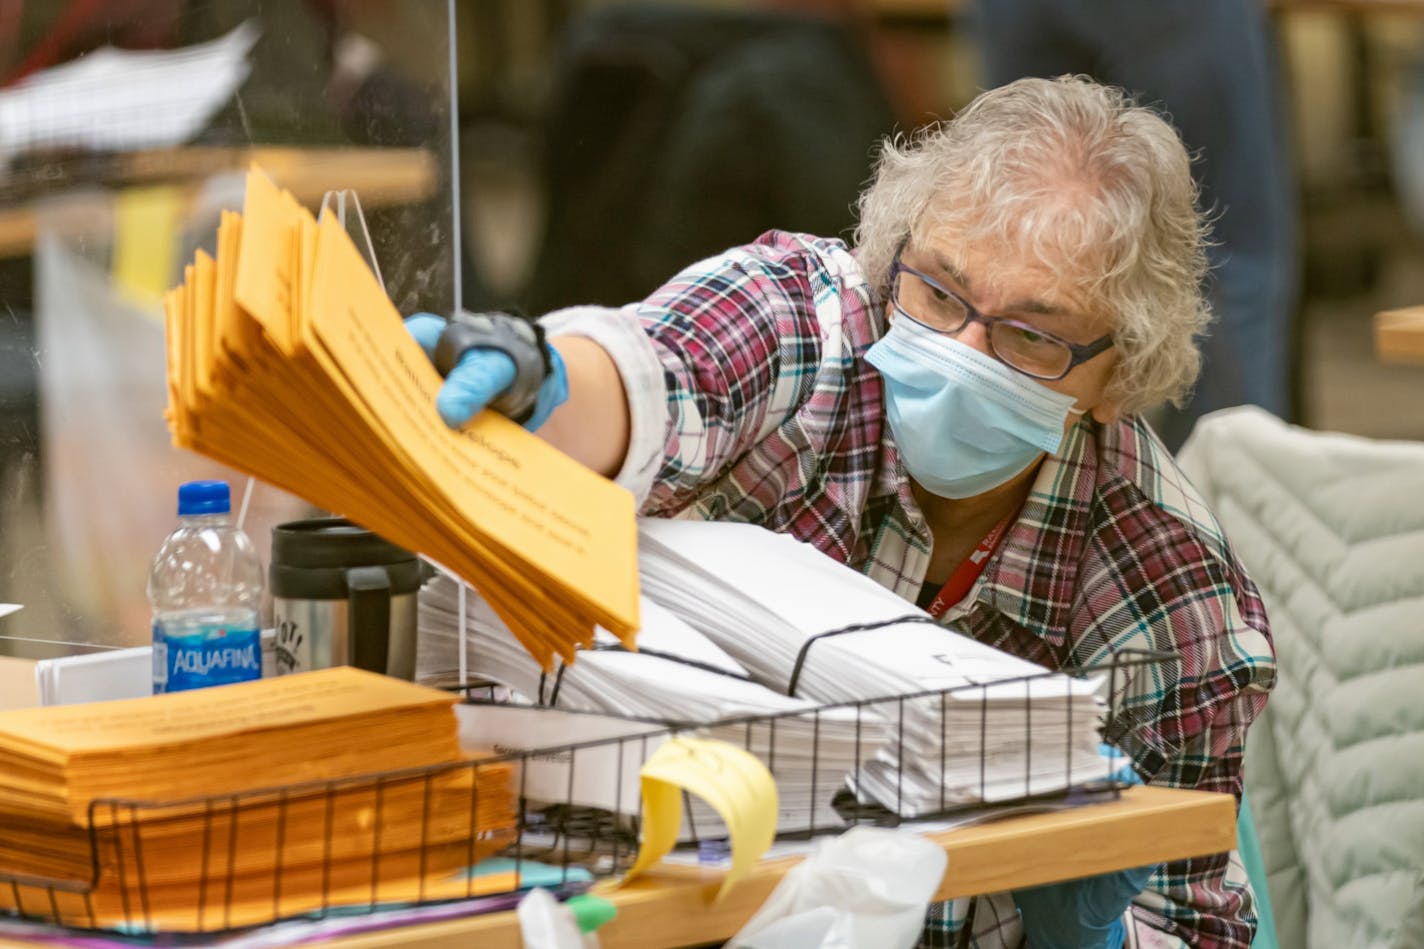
(963, 421)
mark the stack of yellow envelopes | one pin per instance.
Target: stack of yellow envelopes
(286, 360)
(240, 804)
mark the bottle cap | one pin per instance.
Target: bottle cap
(204, 497)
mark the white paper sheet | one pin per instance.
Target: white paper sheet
(114, 99)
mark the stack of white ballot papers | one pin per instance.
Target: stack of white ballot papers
(741, 621)
(997, 728)
(677, 676)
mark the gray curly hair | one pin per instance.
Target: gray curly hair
(1094, 187)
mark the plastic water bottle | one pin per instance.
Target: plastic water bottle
(206, 590)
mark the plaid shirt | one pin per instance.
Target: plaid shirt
(751, 400)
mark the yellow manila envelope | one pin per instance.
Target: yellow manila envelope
(201, 322)
(264, 282)
(173, 322)
(495, 473)
(732, 781)
(288, 361)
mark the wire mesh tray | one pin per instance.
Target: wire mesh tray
(559, 814)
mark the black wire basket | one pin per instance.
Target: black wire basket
(540, 816)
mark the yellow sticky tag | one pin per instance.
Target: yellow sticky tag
(145, 242)
(732, 781)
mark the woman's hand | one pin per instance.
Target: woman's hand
(491, 360)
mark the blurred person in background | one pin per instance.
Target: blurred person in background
(1208, 65)
(1409, 141)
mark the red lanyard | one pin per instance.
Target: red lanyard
(960, 582)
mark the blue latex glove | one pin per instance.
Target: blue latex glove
(1119, 765)
(1086, 913)
(1080, 914)
(482, 375)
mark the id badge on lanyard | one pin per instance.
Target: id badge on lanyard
(962, 580)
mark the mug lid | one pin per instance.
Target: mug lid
(332, 542)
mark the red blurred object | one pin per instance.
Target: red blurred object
(86, 25)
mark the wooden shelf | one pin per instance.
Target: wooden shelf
(380, 176)
(671, 906)
(1399, 335)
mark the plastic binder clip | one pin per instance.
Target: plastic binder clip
(347, 208)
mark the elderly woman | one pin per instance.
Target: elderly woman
(952, 408)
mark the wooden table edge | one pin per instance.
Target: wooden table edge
(380, 177)
(671, 906)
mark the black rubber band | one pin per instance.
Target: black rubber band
(706, 667)
(680, 660)
(857, 628)
(558, 680)
(619, 647)
(554, 693)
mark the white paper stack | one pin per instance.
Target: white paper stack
(125, 99)
(1008, 729)
(96, 677)
(678, 676)
(733, 615)
(112, 673)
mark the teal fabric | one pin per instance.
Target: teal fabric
(1249, 846)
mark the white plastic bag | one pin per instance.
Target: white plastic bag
(869, 888)
(545, 923)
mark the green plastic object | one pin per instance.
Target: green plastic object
(590, 911)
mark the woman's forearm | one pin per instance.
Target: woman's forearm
(592, 426)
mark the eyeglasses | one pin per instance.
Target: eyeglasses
(924, 300)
